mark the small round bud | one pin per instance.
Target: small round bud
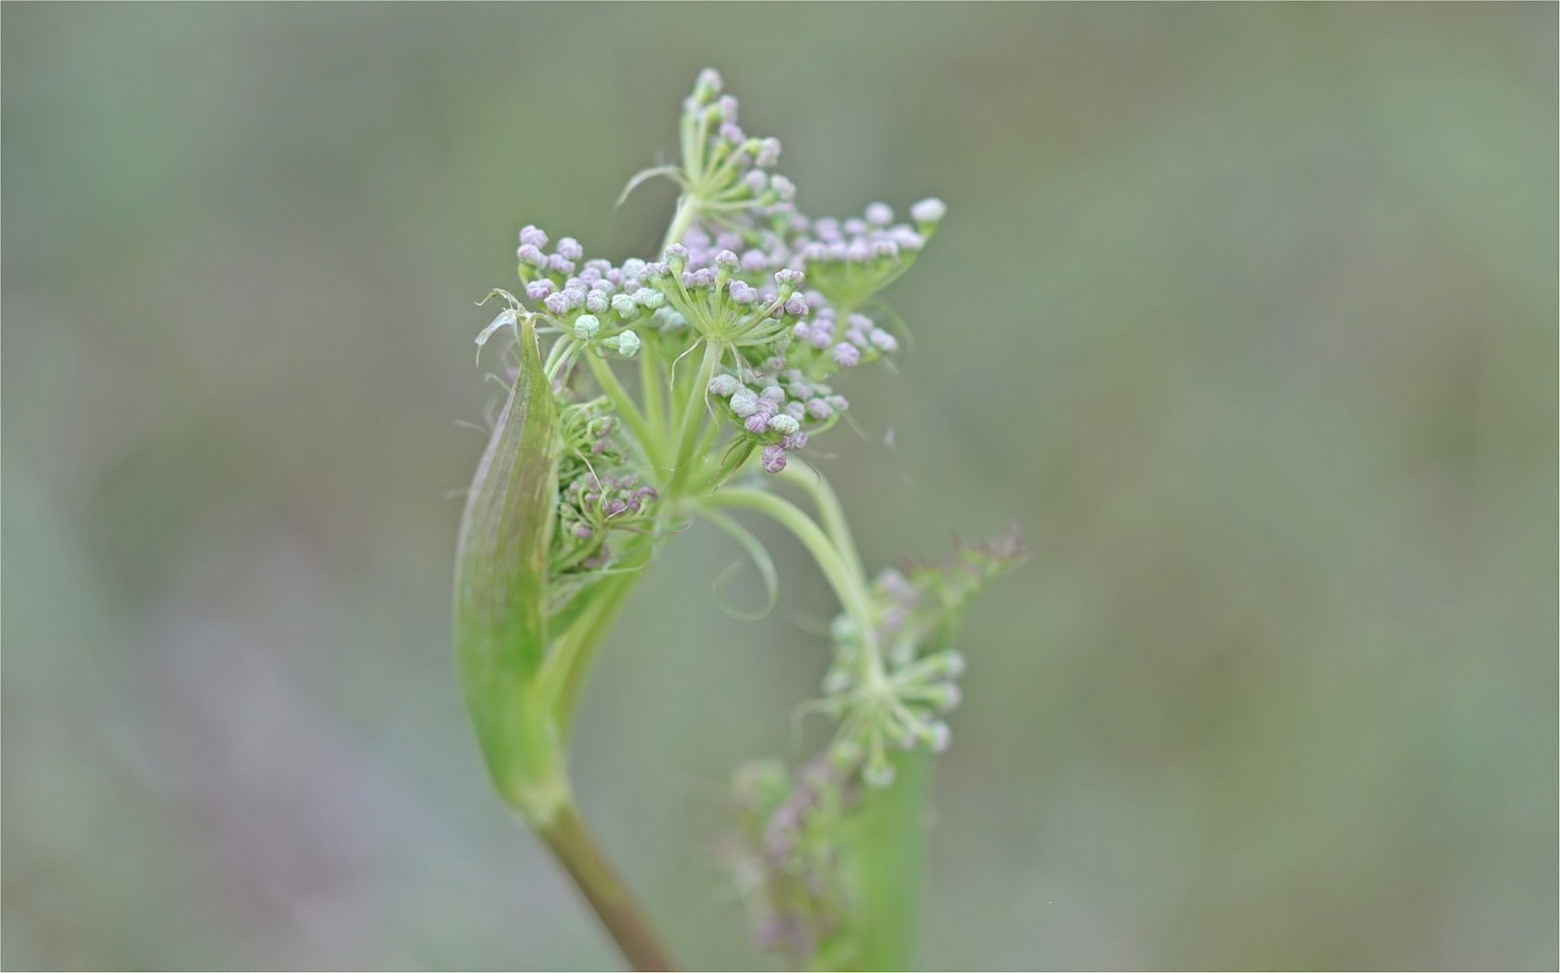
(596, 302)
(531, 255)
(928, 211)
(773, 459)
(727, 261)
(883, 341)
(782, 187)
(724, 385)
(557, 303)
(880, 214)
(624, 305)
(744, 402)
(708, 86)
(569, 249)
(649, 297)
(783, 424)
(537, 290)
(676, 258)
(559, 264)
(628, 344)
(944, 696)
(768, 153)
(531, 236)
(796, 307)
(846, 356)
(938, 738)
(586, 326)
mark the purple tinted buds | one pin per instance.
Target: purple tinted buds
(559, 264)
(531, 236)
(557, 303)
(880, 214)
(773, 459)
(596, 302)
(768, 153)
(570, 249)
(531, 255)
(727, 261)
(708, 87)
(846, 356)
(796, 307)
(789, 278)
(676, 258)
(783, 187)
(724, 385)
(537, 290)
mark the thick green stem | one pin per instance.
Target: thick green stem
(575, 849)
(882, 865)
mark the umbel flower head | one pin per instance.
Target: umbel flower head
(778, 304)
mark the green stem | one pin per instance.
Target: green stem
(687, 212)
(691, 419)
(848, 584)
(620, 399)
(882, 865)
(571, 843)
(834, 521)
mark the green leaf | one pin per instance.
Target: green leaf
(501, 588)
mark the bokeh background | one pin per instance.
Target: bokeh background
(1246, 314)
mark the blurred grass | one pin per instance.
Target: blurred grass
(1247, 314)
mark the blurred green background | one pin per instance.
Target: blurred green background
(1247, 314)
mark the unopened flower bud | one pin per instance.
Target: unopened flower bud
(783, 424)
(928, 211)
(773, 459)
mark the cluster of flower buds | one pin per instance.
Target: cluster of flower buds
(593, 302)
(784, 300)
(589, 508)
(789, 839)
(722, 164)
(914, 616)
